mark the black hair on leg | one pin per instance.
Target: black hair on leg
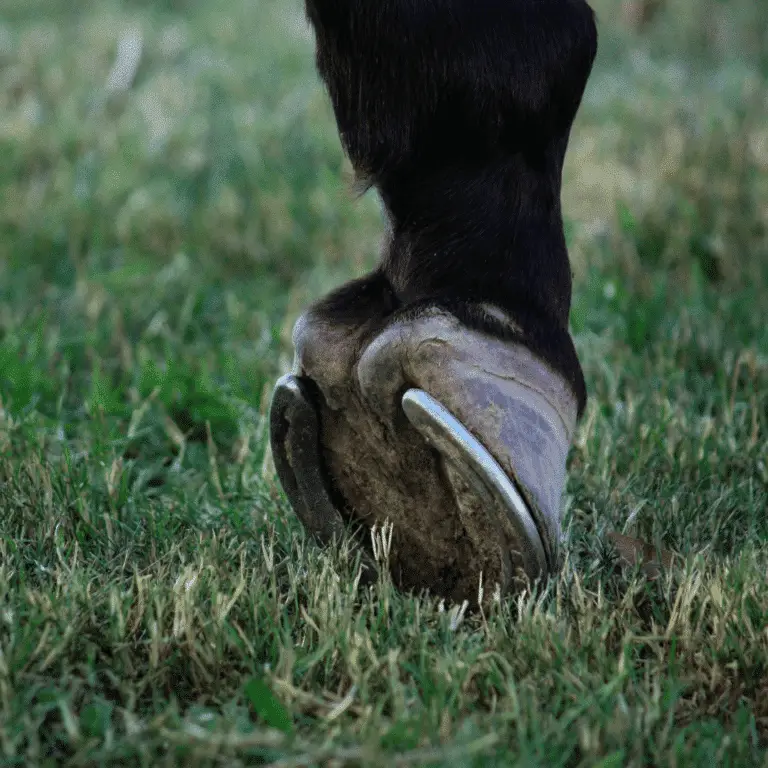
(459, 113)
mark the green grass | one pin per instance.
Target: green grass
(159, 604)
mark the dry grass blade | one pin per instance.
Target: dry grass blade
(129, 52)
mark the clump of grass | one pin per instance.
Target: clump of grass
(699, 34)
(708, 219)
(137, 631)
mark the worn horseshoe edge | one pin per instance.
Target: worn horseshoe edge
(294, 435)
(296, 452)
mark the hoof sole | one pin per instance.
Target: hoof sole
(295, 437)
(451, 439)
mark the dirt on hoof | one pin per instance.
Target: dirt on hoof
(446, 538)
(394, 475)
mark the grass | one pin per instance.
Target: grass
(159, 604)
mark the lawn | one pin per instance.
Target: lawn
(160, 231)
